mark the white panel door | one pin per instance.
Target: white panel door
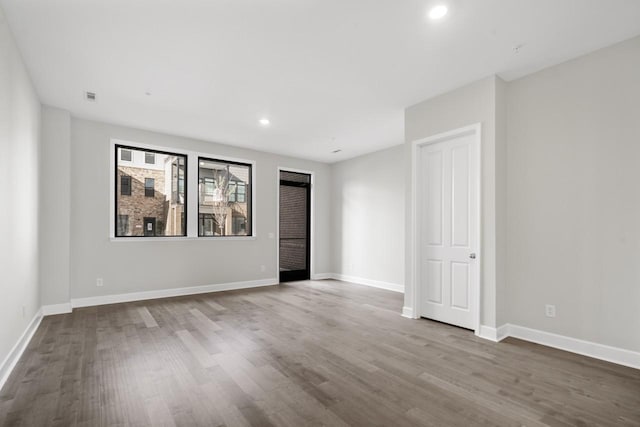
(448, 230)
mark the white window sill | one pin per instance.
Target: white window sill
(179, 239)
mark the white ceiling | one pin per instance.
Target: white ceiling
(329, 74)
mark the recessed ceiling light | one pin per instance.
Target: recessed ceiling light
(201, 163)
(438, 12)
(265, 122)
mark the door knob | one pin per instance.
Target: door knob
(472, 256)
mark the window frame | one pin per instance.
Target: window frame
(191, 191)
(248, 200)
(115, 177)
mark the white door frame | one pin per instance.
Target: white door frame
(476, 131)
(312, 271)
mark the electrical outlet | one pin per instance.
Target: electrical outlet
(99, 282)
(263, 268)
(550, 310)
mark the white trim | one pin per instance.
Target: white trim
(166, 293)
(412, 283)
(395, 287)
(53, 309)
(192, 192)
(502, 332)
(369, 282)
(180, 239)
(408, 313)
(10, 361)
(312, 215)
(574, 345)
(489, 333)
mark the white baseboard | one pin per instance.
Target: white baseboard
(369, 282)
(493, 334)
(586, 348)
(9, 362)
(50, 310)
(488, 333)
(166, 293)
(502, 332)
(322, 276)
(408, 312)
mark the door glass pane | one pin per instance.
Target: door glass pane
(293, 228)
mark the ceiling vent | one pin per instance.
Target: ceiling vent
(91, 96)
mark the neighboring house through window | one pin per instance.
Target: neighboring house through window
(123, 225)
(149, 187)
(224, 207)
(125, 185)
(151, 198)
(125, 155)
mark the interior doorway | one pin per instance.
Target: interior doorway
(294, 240)
(448, 227)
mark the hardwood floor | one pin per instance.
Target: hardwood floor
(303, 354)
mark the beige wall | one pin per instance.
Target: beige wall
(475, 103)
(367, 204)
(574, 197)
(19, 194)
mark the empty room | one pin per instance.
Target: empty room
(319, 213)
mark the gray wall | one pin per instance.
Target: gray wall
(55, 206)
(367, 206)
(139, 266)
(19, 182)
(474, 103)
(574, 197)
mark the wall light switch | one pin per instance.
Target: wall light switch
(99, 281)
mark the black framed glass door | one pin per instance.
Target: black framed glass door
(295, 226)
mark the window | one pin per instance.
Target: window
(125, 185)
(209, 186)
(149, 187)
(123, 225)
(177, 175)
(206, 225)
(237, 192)
(224, 207)
(239, 225)
(151, 198)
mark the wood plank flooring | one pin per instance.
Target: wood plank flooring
(304, 354)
